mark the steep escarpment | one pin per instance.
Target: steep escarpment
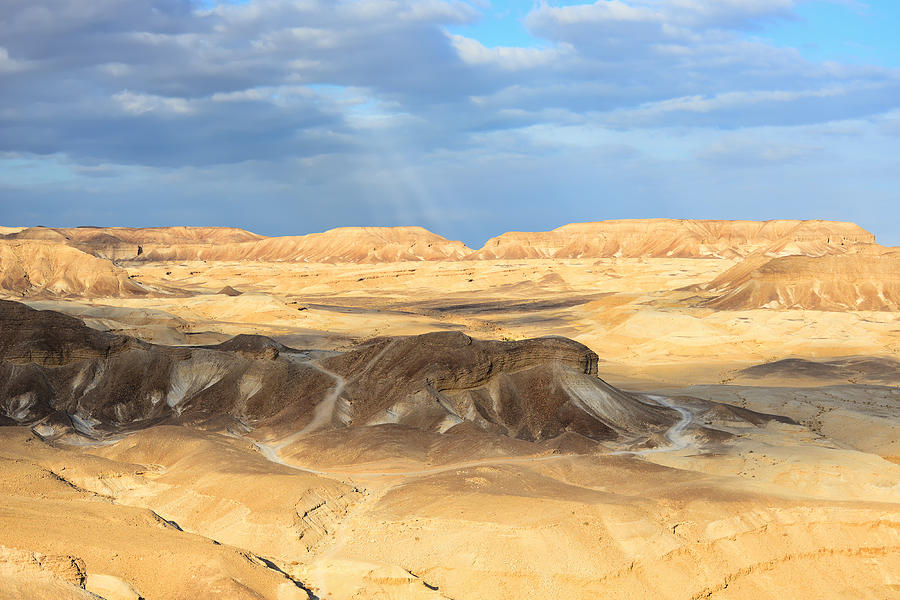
(677, 238)
(36, 268)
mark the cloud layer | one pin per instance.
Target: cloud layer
(372, 111)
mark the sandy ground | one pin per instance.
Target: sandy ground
(727, 509)
(635, 313)
(768, 511)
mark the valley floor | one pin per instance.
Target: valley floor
(726, 507)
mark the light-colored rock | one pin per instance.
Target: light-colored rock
(110, 587)
(678, 238)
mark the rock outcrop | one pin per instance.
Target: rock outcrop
(35, 268)
(54, 367)
(532, 389)
(57, 371)
(864, 280)
(635, 238)
(849, 369)
(117, 243)
(342, 245)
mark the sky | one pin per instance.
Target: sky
(469, 118)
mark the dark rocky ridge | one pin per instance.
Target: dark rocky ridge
(53, 364)
(55, 369)
(532, 389)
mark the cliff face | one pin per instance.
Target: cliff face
(661, 238)
(54, 367)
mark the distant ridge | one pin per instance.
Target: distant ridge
(344, 244)
(634, 238)
(677, 238)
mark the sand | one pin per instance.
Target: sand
(799, 499)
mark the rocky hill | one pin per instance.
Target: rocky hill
(864, 280)
(56, 371)
(345, 244)
(677, 238)
(30, 268)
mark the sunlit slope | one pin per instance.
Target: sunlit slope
(657, 238)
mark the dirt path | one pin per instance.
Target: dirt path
(323, 413)
(675, 433)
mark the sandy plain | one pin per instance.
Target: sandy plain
(773, 482)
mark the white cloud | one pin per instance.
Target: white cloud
(654, 112)
(270, 76)
(474, 52)
(10, 65)
(138, 104)
(674, 14)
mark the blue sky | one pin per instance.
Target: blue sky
(467, 117)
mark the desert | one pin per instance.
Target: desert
(449, 299)
(622, 409)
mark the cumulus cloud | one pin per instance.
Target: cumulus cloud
(138, 104)
(295, 92)
(475, 53)
(245, 66)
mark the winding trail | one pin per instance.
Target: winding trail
(675, 434)
(324, 411)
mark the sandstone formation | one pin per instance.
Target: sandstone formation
(345, 244)
(41, 268)
(625, 238)
(126, 242)
(532, 389)
(853, 281)
(56, 369)
(660, 238)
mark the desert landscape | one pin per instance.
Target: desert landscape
(658, 408)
